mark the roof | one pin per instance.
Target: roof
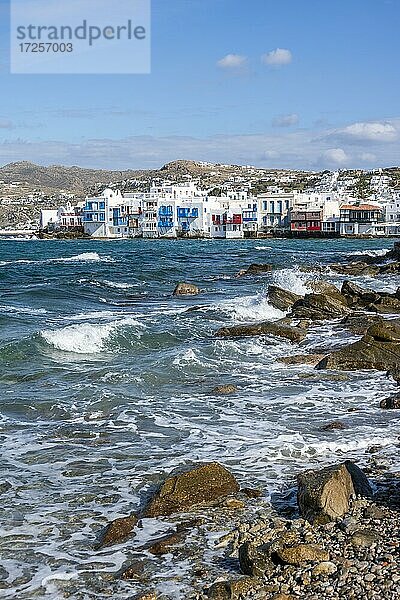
(360, 207)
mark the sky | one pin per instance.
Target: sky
(298, 84)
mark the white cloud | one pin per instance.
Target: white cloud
(285, 120)
(336, 156)
(283, 148)
(374, 131)
(277, 57)
(232, 61)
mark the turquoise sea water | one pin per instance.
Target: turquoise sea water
(106, 385)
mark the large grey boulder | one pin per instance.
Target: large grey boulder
(294, 334)
(319, 307)
(379, 349)
(186, 289)
(324, 494)
(182, 491)
(280, 298)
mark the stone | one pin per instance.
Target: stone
(294, 334)
(379, 349)
(355, 268)
(254, 560)
(227, 388)
(322, 287)
(255, 269)
(302, 359)
(251, 492)
(282, 597)
(333, 425)
(385, 305)
(280, 298)
(364, 538)
(393, 402)
(234, 504)
(325, 568)
(220, 590)
(186, 289)
(146, 596)
(201, 484)
(117, 531)
(357, 296)
(358, 323)
(302, 553)
(324, 494)
(134, 571)
(164, 544)
(319, 307)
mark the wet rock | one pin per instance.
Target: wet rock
(233, 589)
(282, 597)
(280, 298)
(302, 359)
(227, 388)
(302, 553)
(359, 324)
(234, 504)
(319, 307)
(255, 269)
(394, 372)
(357, 296)
(334, 425)
(325, 568)
(5, 486)
(134, 571)
(379, 349)
(186, 289)
(385, 305)
(163, 545)
(182, 491)
(355, 268)
(117, 531)
(254, 560)
(393, 402)
(364, 538)
(294, 334)
(324, 494)
(251, 492)
(146, 596)
(220, 590)
(322, 287)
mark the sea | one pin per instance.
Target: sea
(106, 386)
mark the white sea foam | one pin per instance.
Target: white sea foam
(86, 338)
(23, 310)
(263, 247)
(84, 257)
(380, 252)
(250, 308)
(293, 280)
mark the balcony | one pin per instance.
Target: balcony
(165, 224)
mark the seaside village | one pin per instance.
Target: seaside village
(174, 210)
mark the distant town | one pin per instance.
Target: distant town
(201, 200)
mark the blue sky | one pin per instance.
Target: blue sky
(290, 84)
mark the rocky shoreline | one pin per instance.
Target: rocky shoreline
(341, 539)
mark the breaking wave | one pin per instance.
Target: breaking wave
(292, 280)
(250, 308)
(86, 338)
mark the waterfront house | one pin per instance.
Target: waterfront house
(273, 211)
(360, 219)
